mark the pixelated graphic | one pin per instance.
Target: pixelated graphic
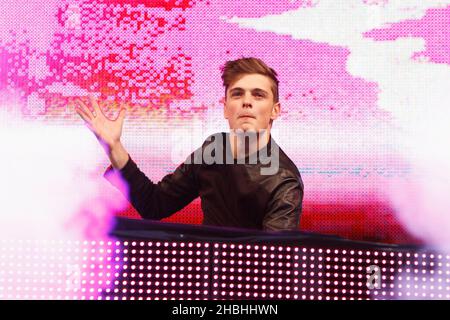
(364, 91)
(186, 270)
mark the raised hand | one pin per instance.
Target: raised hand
(107, 131)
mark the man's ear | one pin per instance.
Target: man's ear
(276, 111)
(225, 110)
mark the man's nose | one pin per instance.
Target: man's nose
(246, 102)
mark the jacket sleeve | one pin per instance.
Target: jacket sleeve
(285, 207)
(161, 200)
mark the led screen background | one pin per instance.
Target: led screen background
(355, 78)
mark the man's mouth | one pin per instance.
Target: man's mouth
(246, 116)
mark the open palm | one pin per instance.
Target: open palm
(107, 131)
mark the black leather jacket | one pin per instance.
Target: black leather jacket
(232, 195)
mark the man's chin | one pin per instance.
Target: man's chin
(248, 128)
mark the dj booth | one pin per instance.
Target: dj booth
(155, 260)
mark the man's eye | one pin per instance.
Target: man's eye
(235, 94)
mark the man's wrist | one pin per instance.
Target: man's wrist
(118, 155)
(115, 145)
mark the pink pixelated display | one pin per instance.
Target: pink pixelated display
(162, 60)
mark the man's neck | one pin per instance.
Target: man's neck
(244, 144)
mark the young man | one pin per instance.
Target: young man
(228, 171)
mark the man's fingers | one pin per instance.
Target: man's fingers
(95, 105)
(85, 109)
(122, 113)
(83, 115)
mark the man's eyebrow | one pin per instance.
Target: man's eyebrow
(260, 90)
(255, 89)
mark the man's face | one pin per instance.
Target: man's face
(249, 103)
